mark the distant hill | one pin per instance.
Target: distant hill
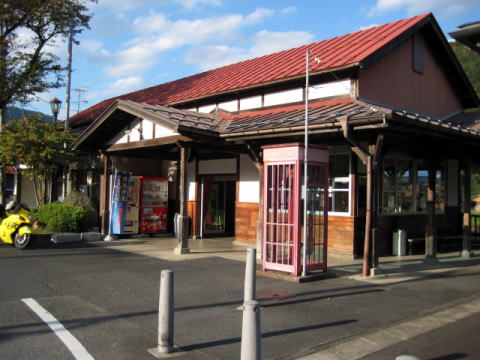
(14, 112)
(470, 61)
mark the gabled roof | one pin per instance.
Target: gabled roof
(121, 112)
(347, 51)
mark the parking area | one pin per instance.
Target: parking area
(108, 300)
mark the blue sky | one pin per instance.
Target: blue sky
(133, 44)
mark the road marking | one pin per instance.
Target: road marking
(75, 347)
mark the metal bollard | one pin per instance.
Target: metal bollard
(165, 312)
(250, 275)
(407, 357)
(251, 348)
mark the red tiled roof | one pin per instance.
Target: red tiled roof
(339, 52)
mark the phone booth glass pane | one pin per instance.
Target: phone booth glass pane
(317, 195)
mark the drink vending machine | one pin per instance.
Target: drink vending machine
(153, 205)
(121, 184)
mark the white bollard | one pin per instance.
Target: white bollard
(407, 357)
(165, 313)
(251, 348)
(250, 275)
(251, 329)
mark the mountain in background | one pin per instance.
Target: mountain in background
(14, 112)
(470, 61)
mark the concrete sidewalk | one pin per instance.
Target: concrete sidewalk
(364, 315)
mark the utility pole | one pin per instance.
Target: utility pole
(69, 77)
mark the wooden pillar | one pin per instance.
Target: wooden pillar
(368, 220)
(105, 191)
(182, 219)
(467, 219)
(430, 240)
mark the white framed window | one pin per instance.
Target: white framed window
(339, 185)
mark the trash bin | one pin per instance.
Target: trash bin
(399, 243)
(176, 225)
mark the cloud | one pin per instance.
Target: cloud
(192, 4)
(129, 5)
(365, 27)
(158, 34)
(120, 86)
(442, 8)
(264, 42)
(288, 10)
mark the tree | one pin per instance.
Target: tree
(40, 147)
(470, 62)
(26, 28)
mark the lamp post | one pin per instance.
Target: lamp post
(55, 105)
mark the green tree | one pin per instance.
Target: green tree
(470, 62)
(40, 147)
(26, 28)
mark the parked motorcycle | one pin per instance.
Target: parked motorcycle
(16, 227)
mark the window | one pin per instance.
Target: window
(405, 186)
(418, 53)
(339, 184)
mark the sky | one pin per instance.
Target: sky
(134, 44)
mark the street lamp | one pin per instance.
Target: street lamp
(55, 105)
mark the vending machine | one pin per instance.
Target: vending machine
(153, 205)
(120, 190)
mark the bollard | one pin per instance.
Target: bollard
(251, 331)
(407, 357)
(250, 275)
(165, 312)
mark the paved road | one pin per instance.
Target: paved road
(108, 300)
(458, 340)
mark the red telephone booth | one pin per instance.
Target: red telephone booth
(283, 208)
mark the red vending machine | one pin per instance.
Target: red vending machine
(153, 205)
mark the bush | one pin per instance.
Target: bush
(82, 200)
(59, 217)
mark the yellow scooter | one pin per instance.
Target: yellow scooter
(16, 228)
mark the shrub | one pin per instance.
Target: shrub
(59, 217)
(82, 200)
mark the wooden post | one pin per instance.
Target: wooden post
(430, 240)
(368, 221)
(467, 219)
(182, 220)
(105, 212)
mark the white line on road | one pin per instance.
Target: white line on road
(75, 347)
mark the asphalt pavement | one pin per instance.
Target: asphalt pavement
(108, 300)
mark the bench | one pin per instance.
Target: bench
(447, 238)
(414, 226)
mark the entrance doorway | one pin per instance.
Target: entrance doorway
(217, 206)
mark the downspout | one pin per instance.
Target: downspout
(367, 159)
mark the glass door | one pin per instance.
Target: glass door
(218, 204)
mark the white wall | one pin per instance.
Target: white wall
(191, 168)
(249, 187)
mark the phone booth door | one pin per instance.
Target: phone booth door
(280, 227)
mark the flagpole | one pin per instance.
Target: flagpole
(305, 165)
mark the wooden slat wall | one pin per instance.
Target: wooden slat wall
(246, 216)
(341, 234)
(192, 213)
